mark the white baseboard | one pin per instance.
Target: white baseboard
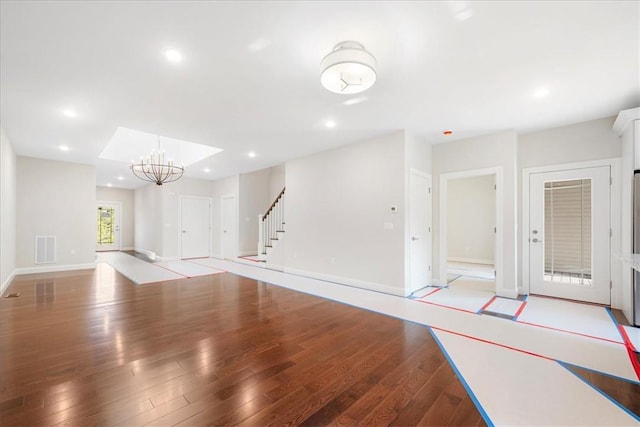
(378, 287)
(128, 248)
(471, 260)
(250, 262)
(7, 282)
(248, 253)
(54, 268)
(507, 293)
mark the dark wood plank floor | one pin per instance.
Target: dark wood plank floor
(90, 347)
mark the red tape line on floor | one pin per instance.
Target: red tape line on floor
(484, 307)
(515, 316)
(446, 306)
(630, 350)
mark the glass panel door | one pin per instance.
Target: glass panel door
(108, 227)
(569, 235)
(567, 231)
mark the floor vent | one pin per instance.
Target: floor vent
(13, 295)
(45, 249)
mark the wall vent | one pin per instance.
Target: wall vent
(45, 249)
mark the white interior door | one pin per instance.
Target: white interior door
(195, 226)
(229, 226)
(420, 229)
(108, 226)
(569, 234)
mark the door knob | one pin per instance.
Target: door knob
(415, 238)
(536, 241)
(184, 231)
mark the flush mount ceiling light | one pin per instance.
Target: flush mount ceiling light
(348, 69)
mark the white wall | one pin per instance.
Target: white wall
(495, 151)
(147, 201)
(55, 199)
(337, 203)
(471, 208)
(222, 187)
(8, 165)
(277, 179)
(254, 199)
(592, 140)
(126, 198)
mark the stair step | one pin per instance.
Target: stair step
(268, 246)
(274, 238)
(279, 231)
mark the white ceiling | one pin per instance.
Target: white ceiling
(249, 79)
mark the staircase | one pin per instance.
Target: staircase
(271, 226)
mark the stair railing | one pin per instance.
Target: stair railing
(270, 224)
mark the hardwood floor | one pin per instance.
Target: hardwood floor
(90, 347)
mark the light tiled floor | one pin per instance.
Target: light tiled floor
(515, 371)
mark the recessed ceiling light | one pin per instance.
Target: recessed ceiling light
(251, 154)
(69, 113)
(207, 170)
(64, 148)
(172, 55)
(109, 185)
(121, 178)
(540, 93)
(330, 124)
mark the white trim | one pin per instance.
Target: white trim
(378, 287)
(499, 235)
(247, 253)
(7, 282)
(180, 199)
(127, 248)
(54, 268)
(624, 118)
(615, 212)
(471, 260)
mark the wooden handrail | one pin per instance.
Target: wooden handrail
(273, 204)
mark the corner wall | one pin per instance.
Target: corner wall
(55, 199)
(339, 223)
(8, 178)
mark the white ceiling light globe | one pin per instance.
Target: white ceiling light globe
(348, 69)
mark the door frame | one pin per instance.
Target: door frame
(180, 199)
(499, 239)
(614, 215)
(409, 285)
(235, 245)
(120, 224)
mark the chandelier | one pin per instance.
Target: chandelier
(155, 169)
(349, 68)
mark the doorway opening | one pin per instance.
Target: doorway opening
(470, 240)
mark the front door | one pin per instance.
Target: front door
(195, 219)
(108, 233)
(420, 229)
(569, 234)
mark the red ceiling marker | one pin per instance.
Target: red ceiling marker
(447, 132)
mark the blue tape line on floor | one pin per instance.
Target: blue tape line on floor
(466, 386)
